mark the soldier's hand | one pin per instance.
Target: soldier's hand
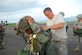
(30, 20)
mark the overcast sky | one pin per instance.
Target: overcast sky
(13, 10)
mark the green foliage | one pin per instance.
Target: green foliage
(42, 23)
(11, 24)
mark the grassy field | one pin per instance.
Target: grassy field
(11, 24)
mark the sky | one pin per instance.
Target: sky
(14, 10)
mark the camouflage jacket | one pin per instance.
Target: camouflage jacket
(78, 31)
(79, 25)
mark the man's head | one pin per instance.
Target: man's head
(24, 26)
(48, 12)
(79, 17)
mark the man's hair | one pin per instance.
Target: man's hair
(47, 9)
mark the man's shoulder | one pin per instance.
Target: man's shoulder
(59, 15)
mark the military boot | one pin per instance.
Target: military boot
(77, 49)
(1, 47)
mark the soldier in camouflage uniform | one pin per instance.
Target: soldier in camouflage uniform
(2, 33)
(37, 41)
(77, 29)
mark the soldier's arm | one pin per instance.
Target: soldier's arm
(42, 35)
(36, 28)
(75, 26)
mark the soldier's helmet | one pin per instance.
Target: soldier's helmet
(23, 24)
(80, 20)
(79, 16)
(62, 13)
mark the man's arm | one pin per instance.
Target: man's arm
(57, 26)
(54, 27)
(60, 23)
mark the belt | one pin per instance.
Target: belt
(57, 40)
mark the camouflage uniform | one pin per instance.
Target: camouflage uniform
(78, 31)
(2, 33)
(39, 41)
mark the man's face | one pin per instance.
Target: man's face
(79, 19)
(29, 31)
(48, 14)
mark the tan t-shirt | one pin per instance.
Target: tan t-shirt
(59, 33)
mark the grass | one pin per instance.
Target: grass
(11, 24)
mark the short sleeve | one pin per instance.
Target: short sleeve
(60, 18)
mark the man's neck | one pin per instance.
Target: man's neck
(53, 16)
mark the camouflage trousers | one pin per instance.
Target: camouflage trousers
(59, 48)
(1, 40)
(78, 32)
(47, 48)
(45, 51)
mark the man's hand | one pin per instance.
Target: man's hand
(44, 27)
(30, 20)
(75, 28)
